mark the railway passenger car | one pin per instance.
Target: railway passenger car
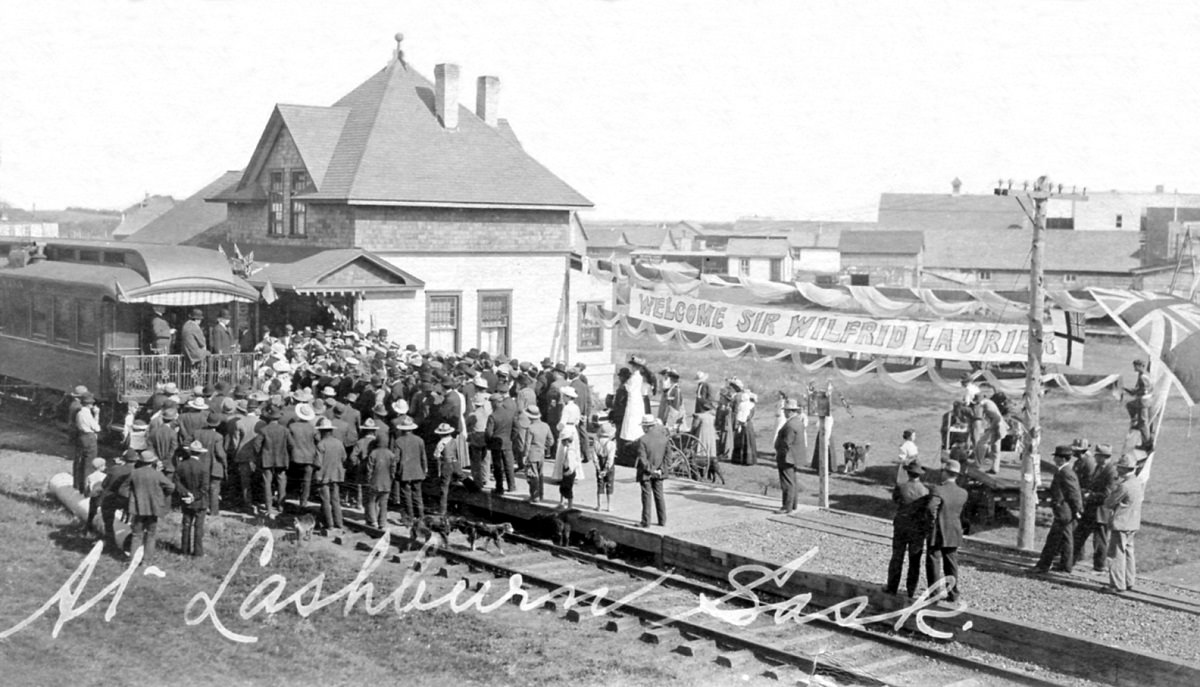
(77, 312)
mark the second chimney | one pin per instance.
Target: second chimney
(446, 94)
(487, 92)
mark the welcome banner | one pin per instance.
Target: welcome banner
(829, 330)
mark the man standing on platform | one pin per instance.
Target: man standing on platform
(194, 346)
(221, 337)
(192, 482)
(499, 433)
(1125, 503)
(946, 501)
(160, 332)
(534, 443)
(789, 450)
(910, 528)
(651, 469)
(1067, 503)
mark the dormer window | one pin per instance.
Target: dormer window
(300, 184)
(275, 204)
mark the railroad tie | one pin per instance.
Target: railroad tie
(659, 635)
(695, 648)
(429, 565)
(452, 571)
(786, 672)
(580, 615)
(735, 660)
(622, 623)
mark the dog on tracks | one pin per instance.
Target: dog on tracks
(599, 543)
(488, 532)
(427, 527)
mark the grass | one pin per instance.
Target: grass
(148, 642)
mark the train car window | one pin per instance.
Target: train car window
(85, 324)
(40, 320)
(89, 256)
(114, 258)
(17, 314)
(64, 320)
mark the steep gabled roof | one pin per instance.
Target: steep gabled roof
(140, 214)
(382, 143)
(335, 271)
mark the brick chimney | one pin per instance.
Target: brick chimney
(956, 186)
(487, 93)
(445, 91)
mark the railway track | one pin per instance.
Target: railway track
(818, 652)
(1010, 561)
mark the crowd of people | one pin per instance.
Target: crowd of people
(349, 419)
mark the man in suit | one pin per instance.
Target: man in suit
(160, 332)
(221, 337)
(1094, 522)
(192, 340)
(147, 490)
(651, 469)
(1125, 503)
(192, 483)
(499, 434)
(214, 458)
(110, 495)
(910, 528)
(946, 501)
(1067, 503)
(789, 450)
(272, 448)
(534, 443)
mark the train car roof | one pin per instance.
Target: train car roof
(144, 272)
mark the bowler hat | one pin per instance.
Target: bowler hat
(1064, 451)
(79, 390)
(147, 456)
(170, 413)
(214, 420)
(914, 467)
(791, 404)
(197, 314)
(1103, 450)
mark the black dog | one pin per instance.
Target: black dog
(555, 526)
(424, 529)
(599, 543)
(488, 532)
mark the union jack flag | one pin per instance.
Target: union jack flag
(1164, 326)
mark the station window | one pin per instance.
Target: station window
(495, 310)
(744, 267)
(40, 320)
(275, 207)
(85, 324)
(591, 335)
(984, 275)
(296, 223)
(1120, 221)
(64, 320)
(1070, 278)
(442, 322)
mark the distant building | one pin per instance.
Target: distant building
(939, 212)
(1115, 210)
(986, 259)
(33, 230)
(140, 214)
(883, 258)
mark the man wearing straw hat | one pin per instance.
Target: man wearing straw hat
(412, 467)
(789, 451)
(534, 443)
(304, 447)
(192, 481)
(651, 469)
(1125, 504)
(946, 501)
(331, 472)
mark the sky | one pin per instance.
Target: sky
(653, 109)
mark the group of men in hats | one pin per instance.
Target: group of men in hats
(928, 522)
(1093, 496)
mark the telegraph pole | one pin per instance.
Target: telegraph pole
(1030, 454)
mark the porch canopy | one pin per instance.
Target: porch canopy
(337, 272)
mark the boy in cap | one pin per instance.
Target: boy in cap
(535, 441)
(192, 481)
(910, 528)
(87, 427)
(1066, 501)
(92, 489)
(1125, 504)
(445, 456)
(110, 497)
(605, 451)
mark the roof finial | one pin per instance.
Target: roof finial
(399, 54)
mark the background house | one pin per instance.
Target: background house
(883, 258)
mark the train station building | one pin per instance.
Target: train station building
(399, 207)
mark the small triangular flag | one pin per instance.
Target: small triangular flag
(236, 252)
(268, 293)
(222, 251)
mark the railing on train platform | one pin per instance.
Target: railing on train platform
(134, 377)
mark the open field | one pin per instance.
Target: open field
(881, 413)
